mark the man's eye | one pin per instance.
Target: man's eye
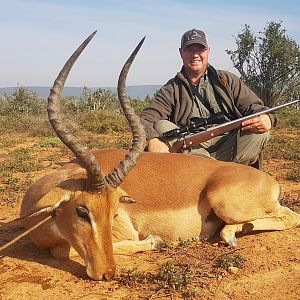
(83, 213)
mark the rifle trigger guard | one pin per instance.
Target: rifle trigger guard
(184, 147)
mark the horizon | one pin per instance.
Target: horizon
(35, 47)
(133, 91)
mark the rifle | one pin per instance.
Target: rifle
(198, 132)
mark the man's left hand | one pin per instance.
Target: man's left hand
(258, 124)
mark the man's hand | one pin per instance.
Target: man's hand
(259, 124)
(156, 145)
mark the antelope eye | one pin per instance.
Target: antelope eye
(83, 213)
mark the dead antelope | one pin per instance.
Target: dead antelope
(146, 199)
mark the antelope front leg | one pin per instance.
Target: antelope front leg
(210, 226)
(63, 251)
(129, 247)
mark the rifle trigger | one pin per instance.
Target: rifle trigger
(184, 147)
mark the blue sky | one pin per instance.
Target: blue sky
(38, 36)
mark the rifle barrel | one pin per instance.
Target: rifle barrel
(195, 139)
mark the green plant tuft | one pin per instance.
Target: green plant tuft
(226, 261)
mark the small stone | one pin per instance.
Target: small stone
(233, 270)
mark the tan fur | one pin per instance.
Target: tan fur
(174, 193)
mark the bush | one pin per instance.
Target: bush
(288, 118)
(34, 125)
(101, 121)
(22, 101)
(89, 100)
(139, 105)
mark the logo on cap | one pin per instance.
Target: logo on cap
(193, 36)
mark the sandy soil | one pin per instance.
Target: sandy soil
(271, 269)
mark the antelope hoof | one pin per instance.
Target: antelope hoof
(156, 242)
(229, 238)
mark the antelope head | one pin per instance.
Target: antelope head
(85, 212)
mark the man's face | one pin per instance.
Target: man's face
(195, 58)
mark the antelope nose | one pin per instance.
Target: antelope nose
(108, 275)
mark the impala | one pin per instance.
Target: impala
(144, 198)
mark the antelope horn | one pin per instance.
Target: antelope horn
(138, 132)
(96, 179)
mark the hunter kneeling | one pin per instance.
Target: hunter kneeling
(200, 91)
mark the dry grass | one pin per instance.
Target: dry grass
(191, 270)
(28, 146)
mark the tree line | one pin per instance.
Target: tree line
(25, 101)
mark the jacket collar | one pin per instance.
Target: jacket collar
(211, 71)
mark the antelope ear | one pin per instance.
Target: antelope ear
(127, 200)
(46, 210)
(50, 210)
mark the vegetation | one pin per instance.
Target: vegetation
(22, 101)
(95, 111)
(100, 99)
(172, 278)
(284, 144)
(268, 63)
(29, 149)
(23, 112)
(230, 260)
(23, 116)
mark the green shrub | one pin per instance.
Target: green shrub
(22, 101)
(139, 105)
(34, 125)
(288, 118)
(19, 160)
(102, 121)
(49, 142)
(226, 261)
(89, 100)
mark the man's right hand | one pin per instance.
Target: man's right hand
(156, 145)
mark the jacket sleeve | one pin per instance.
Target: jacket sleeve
(159, 109)
(246, 101)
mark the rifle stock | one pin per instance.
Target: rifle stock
(187, 142)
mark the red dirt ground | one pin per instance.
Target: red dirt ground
(271, 269)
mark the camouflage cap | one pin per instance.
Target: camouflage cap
(194, 36)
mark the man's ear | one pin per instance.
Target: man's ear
(180, 51)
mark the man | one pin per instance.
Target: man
(199, 90)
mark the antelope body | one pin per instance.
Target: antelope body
(147, 199)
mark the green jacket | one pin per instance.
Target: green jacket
(174, 100)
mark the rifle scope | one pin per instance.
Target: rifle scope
(196, 125)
